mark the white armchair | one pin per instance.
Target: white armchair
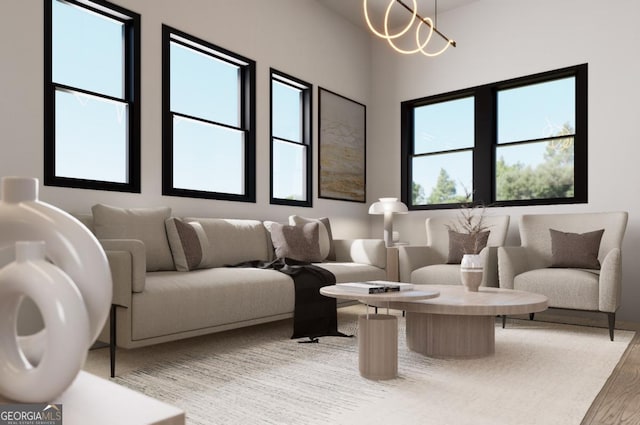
(427, 264)
(527, 267)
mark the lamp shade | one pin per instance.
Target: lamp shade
(388, 205)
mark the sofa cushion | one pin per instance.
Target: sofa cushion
(232, 241)
(565, 288)
(175, 302)
(145, 224)
(299, 243)
(327, 248)
(465, 243)
(577, 250)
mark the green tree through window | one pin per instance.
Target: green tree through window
(553, 178)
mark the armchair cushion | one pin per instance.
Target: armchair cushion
(565, 288)
(575, 250)
(465, 243)
(444, 274)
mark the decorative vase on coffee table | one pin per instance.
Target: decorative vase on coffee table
(471, 270)
(77, 260)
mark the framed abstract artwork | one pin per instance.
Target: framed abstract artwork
(342, 137)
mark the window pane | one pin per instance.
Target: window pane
(444, 126)
(536, 111)
(442, 178)
(91, 138)
(88, 50)
(287, 112)
(207, 157)
(204, 87)
(541, 170)
(289, 171)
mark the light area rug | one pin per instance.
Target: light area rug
(542, 373)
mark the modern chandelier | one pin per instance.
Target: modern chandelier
(421, 43)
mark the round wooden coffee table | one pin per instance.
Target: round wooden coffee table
(461, 324)
(378, 333)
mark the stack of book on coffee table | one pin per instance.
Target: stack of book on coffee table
(375, 286)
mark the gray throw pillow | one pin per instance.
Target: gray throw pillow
(299, 243)
(464, 243)
(575, 250)
(327, 248)
(188, 242)
(144, 224)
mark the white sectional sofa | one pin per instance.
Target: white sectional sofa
(155, 303)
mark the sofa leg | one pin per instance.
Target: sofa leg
(612, 324)
(112, 340)
(531, 316)
(504, 320)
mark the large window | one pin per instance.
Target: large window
(92, 96)
(517, 142)
(208, 125)
(290, 140)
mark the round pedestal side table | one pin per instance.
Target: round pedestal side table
(378, 333)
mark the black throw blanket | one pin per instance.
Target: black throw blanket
(314, 314)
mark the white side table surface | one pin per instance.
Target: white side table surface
(96, 401)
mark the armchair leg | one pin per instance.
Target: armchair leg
(612, 324)
(504, 320)
(112, 340)
(531, 316)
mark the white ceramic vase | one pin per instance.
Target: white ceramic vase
(471, 270)
(69, 245)
(66, 324)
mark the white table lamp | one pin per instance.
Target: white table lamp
(388, 207)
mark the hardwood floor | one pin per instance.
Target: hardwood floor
(619, 400)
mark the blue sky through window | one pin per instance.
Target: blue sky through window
(206, 157)
(91, 132)
(289, 159)
(88, 50)
(204, 87)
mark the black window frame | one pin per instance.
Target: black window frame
(307, 124)
(485, 141)
(132, 31)
(247, 82)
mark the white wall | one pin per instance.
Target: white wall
(497, 40)
(503, 39)
(301, 38)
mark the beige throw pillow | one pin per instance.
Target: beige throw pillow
(297, 242)
(575, 250)
(327, 248)
(145, 224)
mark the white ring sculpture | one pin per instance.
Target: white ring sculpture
(79, 262)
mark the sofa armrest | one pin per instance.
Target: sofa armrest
(363, 251)
(610, 285)
(512, 260)
(413, 257)
(128, 267)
